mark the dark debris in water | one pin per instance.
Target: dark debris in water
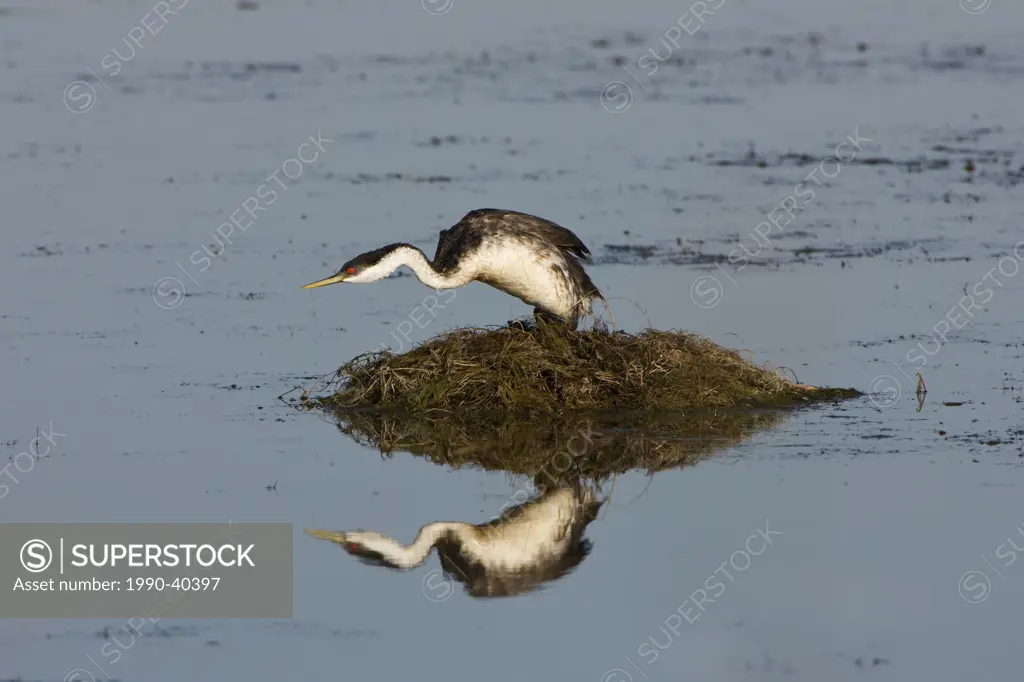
(237, 387)
(437, 141)
(873, 662)
(754, 160)
(43, 251)
(949, 151)
(641, 251)
(368, 178)
(732, 252)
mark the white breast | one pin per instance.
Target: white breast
(540, 277)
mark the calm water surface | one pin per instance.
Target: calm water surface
(878, 510)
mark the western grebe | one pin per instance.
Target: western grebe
(529, 544)
(528, 257)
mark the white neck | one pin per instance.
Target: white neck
(409, 556)
(417, 262)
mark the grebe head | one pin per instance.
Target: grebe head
(370, 266)
(375, 548)
(368, 546)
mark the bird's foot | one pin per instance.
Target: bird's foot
(546, 319)
(523, 325)
(541, 319)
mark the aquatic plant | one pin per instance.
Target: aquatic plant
(548, 370)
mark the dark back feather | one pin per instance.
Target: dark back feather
(469, 232)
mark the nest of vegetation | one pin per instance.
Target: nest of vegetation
(549, 370)
(559, 449)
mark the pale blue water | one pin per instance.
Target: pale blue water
(880, 515)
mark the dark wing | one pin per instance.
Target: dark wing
(564, 237)
(487, 219)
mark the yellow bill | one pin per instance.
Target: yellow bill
(333, 279)
(332, 535)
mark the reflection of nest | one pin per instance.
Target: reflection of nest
(593, 446)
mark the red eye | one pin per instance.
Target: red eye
(351, 271)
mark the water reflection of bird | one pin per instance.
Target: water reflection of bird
(528, 257)
(527, 545)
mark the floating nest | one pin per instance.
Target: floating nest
(559, 449)
(549, 370)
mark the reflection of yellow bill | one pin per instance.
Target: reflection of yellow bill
(332, 535)
(333, 279)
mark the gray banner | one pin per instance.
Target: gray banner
(146, 570)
